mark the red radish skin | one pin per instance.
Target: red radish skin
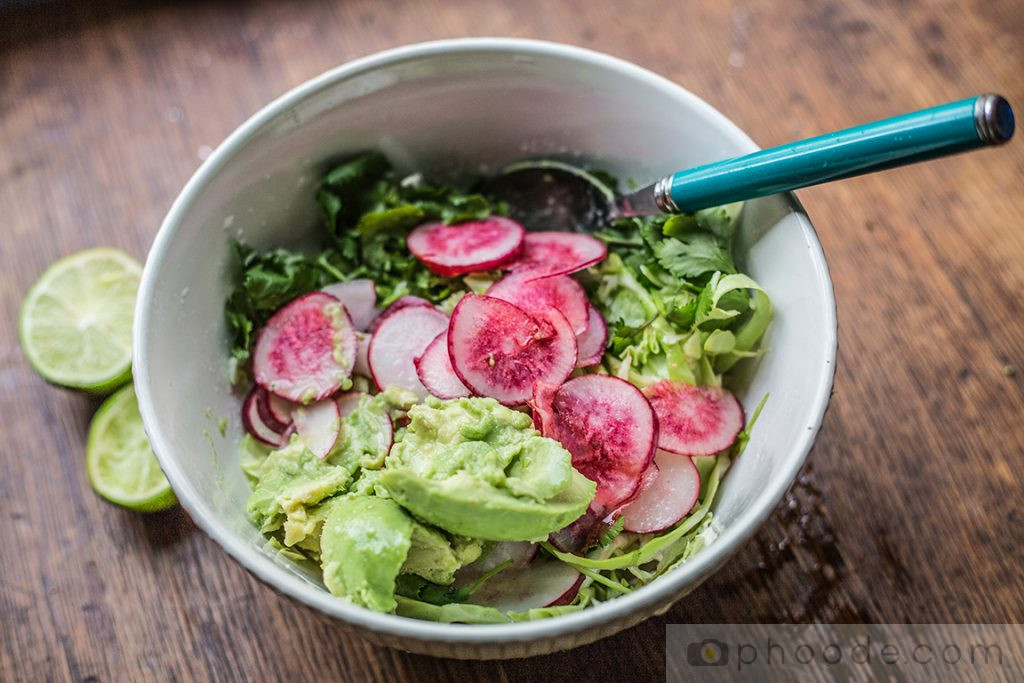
(537, 296)
(362, 364)
(610, 430)
(557, 253)
(500, 351)
(434, 368)
(318, 426)
(668, 499)
(306, 350)
(592, 342)
(469, 247)
(359, 298)
(397, 305)
(266, 411)
(694, 420)
(580, 534)
(254, 424)
(399, 339)
(546, 582)
(281, 409)
(540, 404)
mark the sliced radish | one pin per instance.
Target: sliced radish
(518, 553)
(546, 582)
(306, 350)
(362, 364)
(557, 253)
(348, 402)
(399, 339)
(582, 533)
(469, 247)
(668, 499)
(318, 426)
(591, 343)
(254, 423)
(610, 430)
(434, 368)
(359, 298)
(281, 409)
(266, 413)
(397, 305)
(543, 396)
(536, 296)
(694, 420)
(499, 350)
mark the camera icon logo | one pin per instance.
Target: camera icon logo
(708, 652)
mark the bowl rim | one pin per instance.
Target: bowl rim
(249, 556)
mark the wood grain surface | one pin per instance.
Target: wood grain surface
(910, 508)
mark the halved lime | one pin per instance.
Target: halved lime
(119, 460)
(76, 321)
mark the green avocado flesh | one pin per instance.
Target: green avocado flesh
(461, 473)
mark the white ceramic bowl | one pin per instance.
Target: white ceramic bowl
(449, 108)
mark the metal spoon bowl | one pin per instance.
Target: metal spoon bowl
(552, 195)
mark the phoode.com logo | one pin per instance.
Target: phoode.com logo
(778, 651)
(708, 652)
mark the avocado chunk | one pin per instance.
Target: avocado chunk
(292, 480)
(431, 556)
(478, 469)
(365, 542)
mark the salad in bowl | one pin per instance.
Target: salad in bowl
(454, 419)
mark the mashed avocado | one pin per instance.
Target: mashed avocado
(462, 472)
(478, 469)
(292, 479)
(365, 436)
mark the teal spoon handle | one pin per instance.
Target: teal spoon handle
(918, 136)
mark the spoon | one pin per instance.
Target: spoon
(552, 195)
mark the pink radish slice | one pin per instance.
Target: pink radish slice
(468, 247)
(399, 339)
(306, 350)
(397, 305)
(536, 296)
(362, 364)
(592, 342)
(253, 421)
(610, 430)
(348, 402)
(546, 582)
(266, 412)
(694, 420)
(281, 409)
(359, 298)
(668, 499)
(434, 368)
(557, 253)
(540, 404)
(518, 553)
(499, 350)
(580, 534)
(318, 426)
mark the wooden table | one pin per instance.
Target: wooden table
(910, 507)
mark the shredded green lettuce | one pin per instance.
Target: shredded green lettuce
(368, 212)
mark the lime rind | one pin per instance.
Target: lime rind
(76, 320)
(119, 460)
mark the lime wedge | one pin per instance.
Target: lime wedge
(76, 321)
(119, 460)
